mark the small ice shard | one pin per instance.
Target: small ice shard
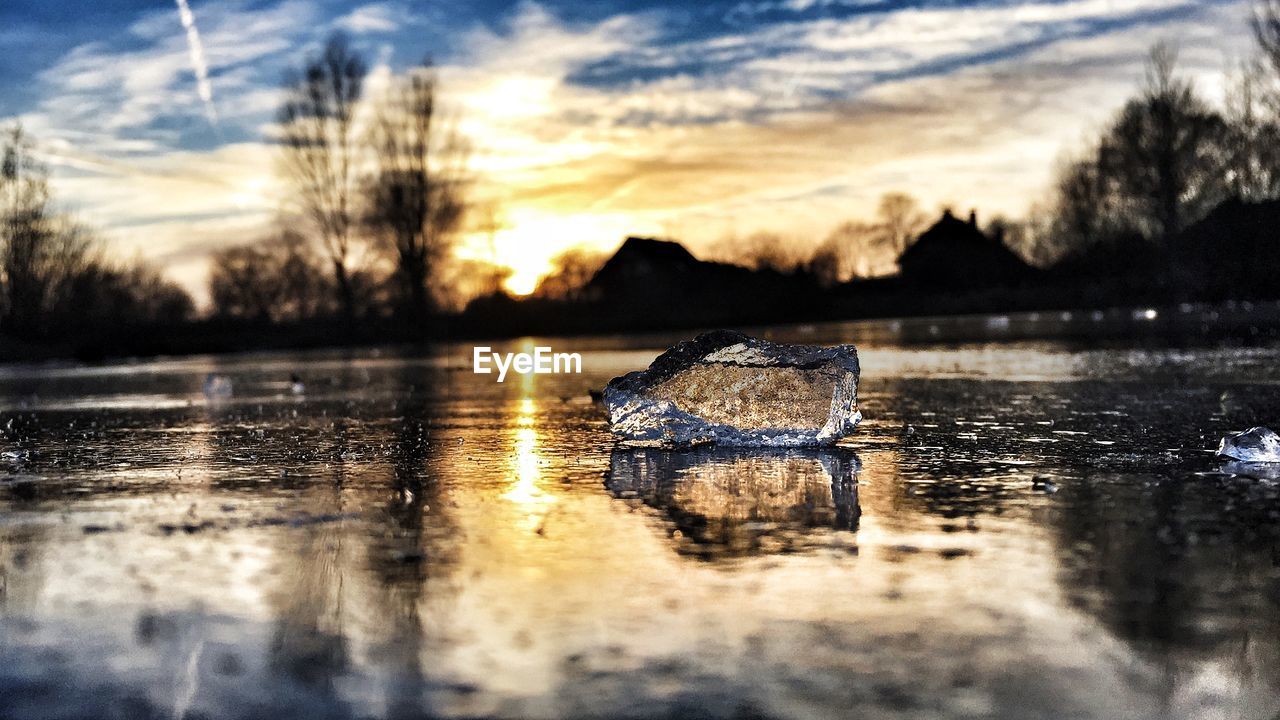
(730, 389)
(1257, 444)
(217, 387)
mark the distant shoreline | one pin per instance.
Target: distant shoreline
(1186, 324)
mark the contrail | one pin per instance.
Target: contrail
(197, 61)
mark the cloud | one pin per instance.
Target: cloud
(380, 17)
(959, 106)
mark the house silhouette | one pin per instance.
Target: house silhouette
(955, 254)
(651, 282)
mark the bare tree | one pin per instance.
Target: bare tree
(113, 293)
(320, 155)
(861, 249)
(241, 283)
(276, 279)
(1033, 236)
(54, 280)
(1165, 156)
(40, 252)
(417, 197)
(489, 221)
(761, 250)
(900, 219)
(1266, 30)
(1166, 160)
(1253, 164)
(1084, 212)
(827, 264)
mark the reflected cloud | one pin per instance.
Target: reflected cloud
(738, 501)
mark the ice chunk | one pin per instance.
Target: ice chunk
(217, 387)
(730, 389)
(1257, 444)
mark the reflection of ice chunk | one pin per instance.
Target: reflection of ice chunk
(1268, 471)
(217, 387)
(1257, 444)
(732, 499)
(726, 388)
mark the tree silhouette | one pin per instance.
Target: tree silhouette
(850, 250)
(574, 268)
(54, 282)
(826, 264)
(318, 134)
(1164, 162)
(40, 253)
(1265, 22)
(279, 279)
(761, 250)
(1253, 164)
(417, 195)
(900, 219)
(1165, 156)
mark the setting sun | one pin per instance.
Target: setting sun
(532, 238)
(523, 281)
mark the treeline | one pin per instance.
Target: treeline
(377, 194)
(1166, 160)
(57, 284)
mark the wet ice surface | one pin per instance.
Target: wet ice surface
(1017, 531)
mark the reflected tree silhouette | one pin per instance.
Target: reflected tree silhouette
(1183, 569)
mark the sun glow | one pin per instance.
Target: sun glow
(531, 239)
(523, 280)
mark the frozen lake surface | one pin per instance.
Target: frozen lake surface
(1020, 529)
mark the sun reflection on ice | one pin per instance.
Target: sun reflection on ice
(525, 490)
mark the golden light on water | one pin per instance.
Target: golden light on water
(525, 490)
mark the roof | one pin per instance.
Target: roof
(954, 252)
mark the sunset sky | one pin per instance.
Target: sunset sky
(594, 120)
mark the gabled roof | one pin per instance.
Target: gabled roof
(953, 252)
(638, 251)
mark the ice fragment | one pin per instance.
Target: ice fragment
(217, 387)
(730, 389)
(1257, 444)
